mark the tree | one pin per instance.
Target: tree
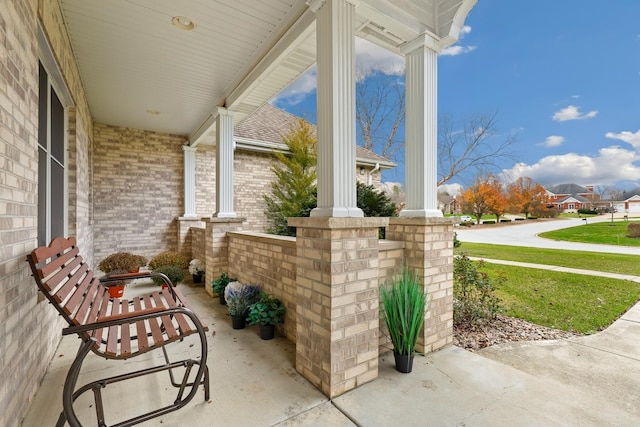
(476, 145)
(294, 192)
(497, 200)
(380, 113)
(478, 197)
(610, 194)
(525, 195)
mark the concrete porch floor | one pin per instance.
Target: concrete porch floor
(581, 382)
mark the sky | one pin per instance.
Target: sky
(563, 77)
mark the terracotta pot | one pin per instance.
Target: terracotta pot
(116, 291)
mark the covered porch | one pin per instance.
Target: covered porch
(132, 88)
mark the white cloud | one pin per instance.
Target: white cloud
(610, 165)
(371, 58)
(454, 189)
(456, 49)
(553, 141)
(572, 113)
(299, 89)
(626, 136)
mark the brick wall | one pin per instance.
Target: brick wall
(269, 261)
(30, 330)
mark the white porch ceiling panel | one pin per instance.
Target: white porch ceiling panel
(140, 71)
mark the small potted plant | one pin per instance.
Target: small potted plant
(169, 258)
(196, 269)
(404, 305)
(174, 273)
(267, 312)
(120, 263)
(239, 297)
(220, 284)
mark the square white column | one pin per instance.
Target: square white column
(224, 164)
(336, 109)
(421, 130)
(189, 181)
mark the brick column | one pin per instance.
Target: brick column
(429, 253)
(337, 301)
(217, 246)
(184, 234)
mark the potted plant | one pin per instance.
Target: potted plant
(239, 297)
(120, 263)
(196, 269)
(174, 273)
(404, 306)
(220, 284)
(267, 312)
(169, 258)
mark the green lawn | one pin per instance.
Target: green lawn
(571, 302)
(614, 263)
(606, 233)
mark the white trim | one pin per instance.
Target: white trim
(45, 54)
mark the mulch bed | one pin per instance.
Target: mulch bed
(503, 329)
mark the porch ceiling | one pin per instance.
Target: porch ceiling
(142, 72)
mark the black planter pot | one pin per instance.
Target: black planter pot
(197, 278)
(404, 363)
(238, 322)
(267, 332)
(223, 301)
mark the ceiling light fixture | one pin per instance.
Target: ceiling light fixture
(183, 23)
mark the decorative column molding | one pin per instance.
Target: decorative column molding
(336, 109)
(224, 164)
(421, 143)
(189, 181)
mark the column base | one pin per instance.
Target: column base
(421, 213)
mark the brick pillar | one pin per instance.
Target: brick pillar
(429, 253)
(217, 246)
(337, 301)
(184, 234)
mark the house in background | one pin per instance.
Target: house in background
(630, 202)
(571, 197)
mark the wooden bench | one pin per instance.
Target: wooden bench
(115, 328)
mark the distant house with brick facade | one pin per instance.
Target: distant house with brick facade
(630, 202)
(571, 197)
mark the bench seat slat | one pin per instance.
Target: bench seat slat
(125, 334)
(156, 332)
(141, 330)
(182, 322)
(167, 324)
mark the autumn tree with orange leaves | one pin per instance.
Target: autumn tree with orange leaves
(485, 196)
(525, 196)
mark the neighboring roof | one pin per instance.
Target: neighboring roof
(568, 189)
(263, 131)
(572, 199)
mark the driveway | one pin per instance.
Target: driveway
(525, 233)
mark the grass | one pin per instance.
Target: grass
(606, 233)
(613, 263)
(571, 302)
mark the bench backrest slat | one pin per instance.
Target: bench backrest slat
(89, 301)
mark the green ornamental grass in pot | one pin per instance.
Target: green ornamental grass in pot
(404, 305)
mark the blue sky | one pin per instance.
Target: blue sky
(564, 77)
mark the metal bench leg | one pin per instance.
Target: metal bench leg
(68, 413)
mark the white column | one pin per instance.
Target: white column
(336, 109)
(421, 132)
(224, 164)
(189, 181)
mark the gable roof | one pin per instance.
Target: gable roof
(568, 189)
(263, 131)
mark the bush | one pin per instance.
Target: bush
(168, 259)
(473, 292)
(219, 284)
(456, 243)
(633, 230)
(587, 211)
(122, 262)
(267, 310)
(488, 221)
(175, 274)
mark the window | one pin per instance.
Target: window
(52, 212)
(571, 206)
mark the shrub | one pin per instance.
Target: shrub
(587, 211)
(175, 274)
(123, 262)
(488, 221)
(267, 310)
(633, 230)
(456, 242)
(169, 258)
(473, 292)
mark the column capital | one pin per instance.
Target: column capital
(189, 149)
(222, 111)
(423, 40)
